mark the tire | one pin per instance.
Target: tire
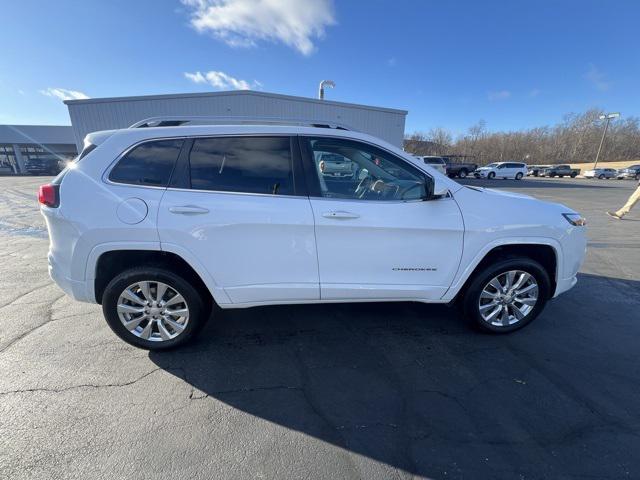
(519, 176)
(574, 175)
(471, 301)
(491, 175)
(463, 173)
(601, 176)
(193, 302)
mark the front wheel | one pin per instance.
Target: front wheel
(153, 308)
(601, 177)
(462, 173)
(491, 175)
(507, 295)
(519, 176)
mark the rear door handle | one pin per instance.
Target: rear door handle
(188, 210)
(341, 215)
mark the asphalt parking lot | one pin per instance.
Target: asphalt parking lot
(328, 391)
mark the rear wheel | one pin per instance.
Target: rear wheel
(601, 176)
(507, 295)
(463, 173)
(153, 308)
(519, 176)
(574, 175)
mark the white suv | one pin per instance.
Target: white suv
(502, 170)
(160, 224)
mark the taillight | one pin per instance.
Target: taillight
(49, 195)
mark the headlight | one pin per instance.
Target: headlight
(575, 219)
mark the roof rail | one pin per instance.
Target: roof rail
(174, 121)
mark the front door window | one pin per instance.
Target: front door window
(348, 169)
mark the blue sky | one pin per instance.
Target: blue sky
(514, 64)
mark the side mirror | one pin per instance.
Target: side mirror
(439, 189)
(433, 189)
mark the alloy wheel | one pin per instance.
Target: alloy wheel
(508, 298)
(153, 311)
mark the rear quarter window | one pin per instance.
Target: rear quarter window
(150, 163)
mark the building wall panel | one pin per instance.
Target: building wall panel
(105, 114)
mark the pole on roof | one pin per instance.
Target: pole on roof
(325, 83)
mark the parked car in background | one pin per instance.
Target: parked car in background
(632, 172)
(336, 166)
(436, 162)
(502, 170)
(536, 169)
(560, 171)
(601, 173)
(160, 224)
(43, 165)
(460, 169)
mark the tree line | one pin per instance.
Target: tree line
(574, 140)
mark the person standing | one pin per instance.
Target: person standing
(633, 199)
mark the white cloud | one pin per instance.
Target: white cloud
(499, 95)
(240, 23)
(597, 78)
(64, 94)
(221, 80)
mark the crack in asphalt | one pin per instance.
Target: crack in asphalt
(37, 327)
(83, 385)
(28, 292)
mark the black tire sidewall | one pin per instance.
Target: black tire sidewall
(519, 176)
(491, 175)
(197, 315)
(463, 173)
(474, 289)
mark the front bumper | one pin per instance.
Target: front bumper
(565, 285)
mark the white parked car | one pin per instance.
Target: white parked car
(502, 170)
(438, 163)
(159, 224)
(601, 173)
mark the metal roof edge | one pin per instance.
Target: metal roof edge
(231, 93)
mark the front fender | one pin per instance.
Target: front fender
(465, 272)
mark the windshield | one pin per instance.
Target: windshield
(492, 165)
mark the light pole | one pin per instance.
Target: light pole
(608, 118)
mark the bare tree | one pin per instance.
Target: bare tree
(575, 139)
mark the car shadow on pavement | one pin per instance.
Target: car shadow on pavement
(414, 387)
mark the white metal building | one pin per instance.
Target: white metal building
(120, 112)
(35, 148)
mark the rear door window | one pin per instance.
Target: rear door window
(150, 163)
(242, 164)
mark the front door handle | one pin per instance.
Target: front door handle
(188, 210)
(341, 215)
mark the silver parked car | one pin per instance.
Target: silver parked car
(601, 173)
(632, 172)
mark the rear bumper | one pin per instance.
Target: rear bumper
(74, 288)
